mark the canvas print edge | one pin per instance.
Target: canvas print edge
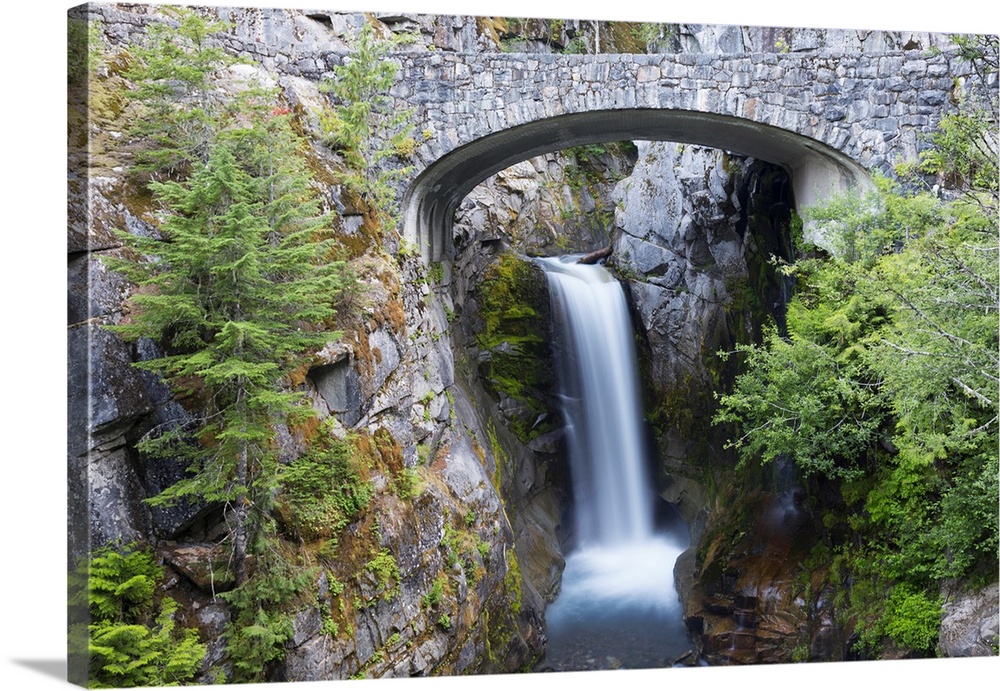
(396, 250)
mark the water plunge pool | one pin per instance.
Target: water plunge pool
(618, 608)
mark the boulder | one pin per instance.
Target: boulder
(971, 624)
(205, 565)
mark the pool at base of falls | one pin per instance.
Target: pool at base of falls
(617, 609)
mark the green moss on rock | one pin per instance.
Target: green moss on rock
(514, 309)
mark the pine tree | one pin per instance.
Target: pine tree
(172, 71)
(236, 292)
(364, 123)
(238, 288)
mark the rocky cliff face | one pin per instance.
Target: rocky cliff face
(697, 237)
(695, 233)
(458, 600)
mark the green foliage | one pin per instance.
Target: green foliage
(577, 46)
(385, 569)
(435, 273)
(483, 548)
(433, 596)
(896, 341)
(809, 395)
(133, 637)
(139, 655)
(460, 545)
(364, 124)
(585, 168)
(171, 73)
(797, 401)
(652, 34)
(329, 627)
(240, 283)
(862, 228)
(263, 610)
(910, 618)
(122, 583)
(513, 44)
(885, 389)
(964, 151)
(407, 483)
(324, 490)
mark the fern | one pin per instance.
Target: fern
(133, 639)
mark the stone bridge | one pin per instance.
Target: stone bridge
(829, 119)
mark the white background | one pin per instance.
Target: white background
(32, 237)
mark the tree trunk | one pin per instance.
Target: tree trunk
(241, 531)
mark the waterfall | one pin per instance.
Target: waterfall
(600, 400)
(617, 606)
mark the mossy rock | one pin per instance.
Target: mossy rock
(514, 308)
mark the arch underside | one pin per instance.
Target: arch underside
(817, 170)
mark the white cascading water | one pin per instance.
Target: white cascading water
(617, 605)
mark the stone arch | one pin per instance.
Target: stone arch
(428, 206)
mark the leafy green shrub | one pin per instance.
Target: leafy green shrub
(884, 388)
(383, 565)
(912, 619)
(325, 489)
(433, 596)
(809, 396)
(908, 616)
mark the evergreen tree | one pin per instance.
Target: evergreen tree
(238, 288)
(172, 72)
(237, 292)
(364, 124)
